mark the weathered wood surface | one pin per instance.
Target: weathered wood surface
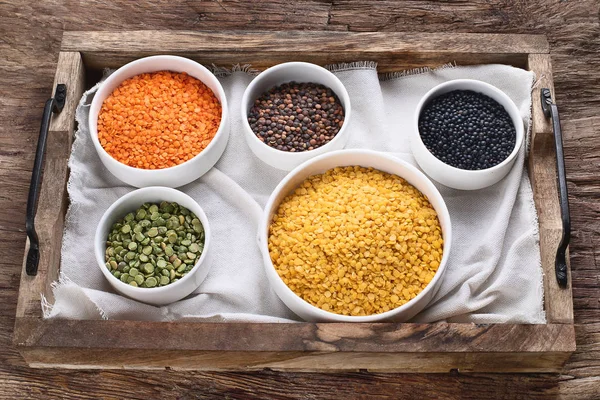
(297, 347)
(558, 302)
(30, 34)
(52, 203)
(331, 337)
(245, 361)
(263, 49)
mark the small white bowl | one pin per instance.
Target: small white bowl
(283, 73)
(461, 178)
(365, 158)
(178, 175)
(130, 202)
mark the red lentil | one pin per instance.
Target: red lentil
(158, 120)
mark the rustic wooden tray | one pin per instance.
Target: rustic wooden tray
(407, 347)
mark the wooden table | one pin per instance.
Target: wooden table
(30, 35)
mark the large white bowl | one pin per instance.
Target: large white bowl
(461, 178)
(131, 202)
(365, 158)
(178, 175)
(283, 73)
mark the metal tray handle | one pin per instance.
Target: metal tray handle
(551, 111)
(53, 105)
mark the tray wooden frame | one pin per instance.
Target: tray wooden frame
(388, 347)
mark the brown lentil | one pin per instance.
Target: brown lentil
(296, 116)
(356, 241)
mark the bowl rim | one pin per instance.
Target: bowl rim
(512, 111)
(100, 244)
(301, 154)
(265, 222)
(93, 127)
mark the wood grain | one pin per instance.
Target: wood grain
(195, 360)
(381, 347)
(263, 49)
(52, 204)
(30, 34)
(102, 42)
(558, 302)
(296, 337)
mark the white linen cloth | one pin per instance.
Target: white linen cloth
(494, 273)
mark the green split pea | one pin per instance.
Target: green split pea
(154, 246)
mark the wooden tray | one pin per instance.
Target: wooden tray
(408, 347)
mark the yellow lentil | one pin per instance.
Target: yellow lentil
(356, 241)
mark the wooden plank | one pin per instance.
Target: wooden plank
(385, 62)
(542, 171)
(52, 203)
(392, 50)
(296, 361)
(330, 337)
(383, 347)
(301, 41)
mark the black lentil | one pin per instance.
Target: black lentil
(467, 130)
(296, 116)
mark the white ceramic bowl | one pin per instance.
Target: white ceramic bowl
(178, 175)
(365, 158)
(131, 202)
(461, 178)
(283, 73)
